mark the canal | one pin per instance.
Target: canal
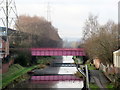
(56, 85)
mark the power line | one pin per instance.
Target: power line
(2, 21)
(9, 9)
(1, 2)
(10, 2)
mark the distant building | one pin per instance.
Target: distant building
(1, 44)
(2, 31)
(4, 47)
(4, 44)
(116, 59)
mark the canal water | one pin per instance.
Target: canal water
(56, 85)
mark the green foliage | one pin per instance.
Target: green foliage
(117, 81)
(78, 59)
(0, 81)
(12, 70)
(44, 60)
(110, 86)
(89, 61)
(91, 67)
(93, 86)
(41, 66)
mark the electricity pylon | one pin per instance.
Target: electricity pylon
(7, 10)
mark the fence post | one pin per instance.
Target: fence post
(87, 77)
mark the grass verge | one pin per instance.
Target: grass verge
(91, 67)
(110, 86)
(14, 72)
(93, 86)
(78, 74)
(45, 60)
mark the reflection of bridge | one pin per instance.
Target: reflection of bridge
(54, 78)
(57, 52)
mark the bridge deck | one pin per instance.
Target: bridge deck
(63, 65)
(57, 52)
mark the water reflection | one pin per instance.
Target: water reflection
(55, 84)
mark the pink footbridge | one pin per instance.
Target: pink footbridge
(54, 78)
(58, 52)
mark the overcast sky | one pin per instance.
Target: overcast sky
(69, 15)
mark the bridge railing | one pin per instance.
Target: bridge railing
(57, 52)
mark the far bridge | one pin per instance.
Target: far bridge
(57, 52)
(63, 65)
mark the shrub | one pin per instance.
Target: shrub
(23, 58)
(78, 74)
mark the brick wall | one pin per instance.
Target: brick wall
(97, 62)
(5, 67)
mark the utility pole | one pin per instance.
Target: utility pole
(119, 25)
(7, 19)
(7, 41)
(48, 12)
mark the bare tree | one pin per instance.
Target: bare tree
(37, 32)
(100, 40)
(91, 27)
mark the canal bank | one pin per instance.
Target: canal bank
(18, 73)
(15, 75)
(57, 85)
